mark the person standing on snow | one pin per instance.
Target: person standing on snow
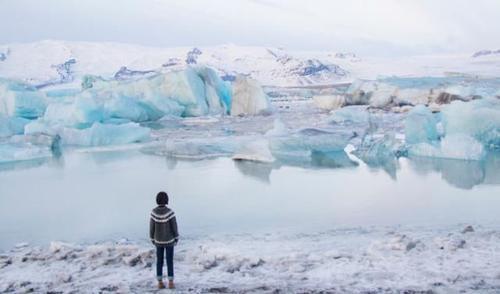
(164, 235)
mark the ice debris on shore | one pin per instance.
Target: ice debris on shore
(364, 260)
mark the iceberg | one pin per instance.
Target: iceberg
(479, 119)
(195, 91)
(96, 135)
(359, 92)
(373, 93)
(10, 126)
(383, 95)
(125, 107)
(21, 100)
(380, 152)
(329, 102)
(215, 85)
(248, 97)
(257, 151)
(351, 115)
(458, 146)
(105, 134)
(413, 96)
(82, 112)
(420, 126)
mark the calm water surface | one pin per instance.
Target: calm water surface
(87, 197)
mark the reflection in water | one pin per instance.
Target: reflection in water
(492, 169)
(337, 159)
(464, 174)
(258, 170)
(316, 159)
(101, 195)
(57, 162)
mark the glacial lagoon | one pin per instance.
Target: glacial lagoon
(89, 196)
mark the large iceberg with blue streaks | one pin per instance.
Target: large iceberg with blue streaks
(119, 110)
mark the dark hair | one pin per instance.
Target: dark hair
(162, 198)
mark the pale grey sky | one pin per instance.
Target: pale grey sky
(363, 26)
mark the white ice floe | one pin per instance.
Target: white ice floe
(351, 114)
(248, 97)
(329, 102)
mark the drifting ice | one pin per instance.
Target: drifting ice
(248, 97)
(420, 126)
(105, 134)
(452, 146)
(479, 119)
(20, 100)
(351, 114)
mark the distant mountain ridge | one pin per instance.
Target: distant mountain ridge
(485, 52)
(51, 62)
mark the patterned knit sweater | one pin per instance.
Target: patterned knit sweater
(163, 226)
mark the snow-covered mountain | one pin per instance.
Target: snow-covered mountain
(485, 53)
(54, 62)
(49, 62)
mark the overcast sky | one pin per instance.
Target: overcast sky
(367, 27)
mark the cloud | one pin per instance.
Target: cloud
(369, 27)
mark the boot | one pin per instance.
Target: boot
(161, 285)
(171, 284)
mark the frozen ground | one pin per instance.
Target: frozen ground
(362, 260)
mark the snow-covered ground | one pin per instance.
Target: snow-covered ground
(458, 259)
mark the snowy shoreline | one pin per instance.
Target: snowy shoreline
(356, 260)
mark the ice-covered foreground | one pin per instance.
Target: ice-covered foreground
(356, 260)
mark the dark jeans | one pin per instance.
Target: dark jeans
(160, 253)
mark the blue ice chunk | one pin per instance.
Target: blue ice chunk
(379, 151)
(58, 93)
(420, 126)
(21, 100)
(128, 108)
(222, 88)
(105, 134)
(479, 119)
(10, 126)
